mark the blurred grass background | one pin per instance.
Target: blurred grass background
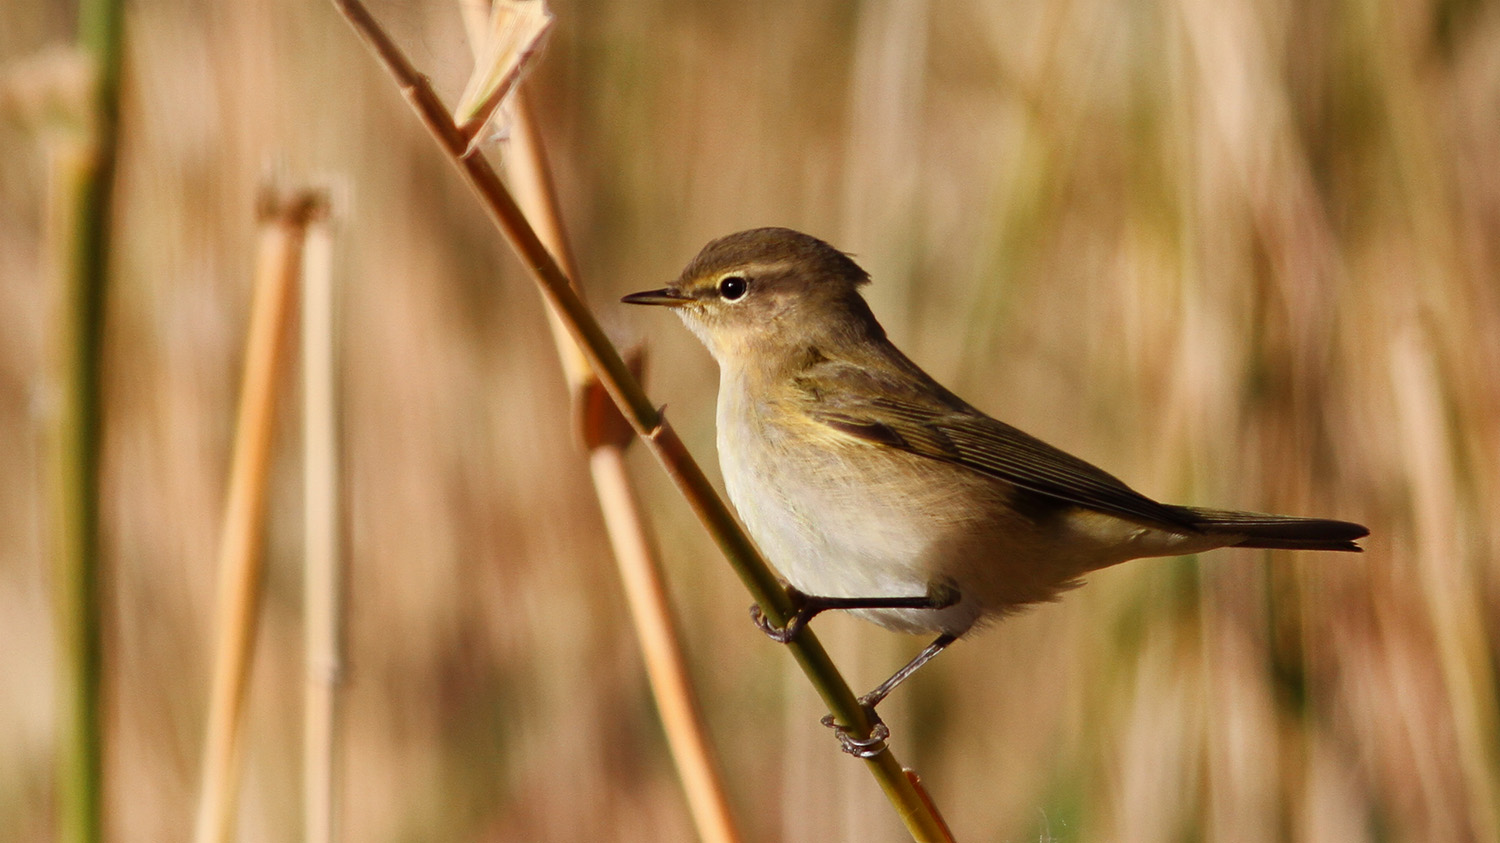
(1240, 253)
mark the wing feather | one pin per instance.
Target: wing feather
(923, 418)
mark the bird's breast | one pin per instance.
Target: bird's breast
(841, 517)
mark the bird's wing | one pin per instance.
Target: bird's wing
(927, 420)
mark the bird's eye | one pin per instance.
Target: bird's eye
(733, 287)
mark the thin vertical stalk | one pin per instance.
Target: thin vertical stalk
(321, 533)
(606, 435)
(661, 649)
(74, 458)
(86, 199)
(267, 355)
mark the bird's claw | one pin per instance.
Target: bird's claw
(860, 747)
(794, 624)
(779, 634)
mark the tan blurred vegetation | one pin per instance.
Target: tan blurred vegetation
(1239, 253)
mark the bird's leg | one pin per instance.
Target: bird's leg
(875, 743)
(938, 596)
(809, 606)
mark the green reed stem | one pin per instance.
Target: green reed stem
(85, 194)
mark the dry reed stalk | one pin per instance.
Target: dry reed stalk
(901, 788)
(322, 531)
(661, 648)
(267, 355)
(605, 434)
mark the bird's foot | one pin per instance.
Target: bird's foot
(861, 747)
(801, 614)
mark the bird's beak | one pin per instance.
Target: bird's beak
(665, 297)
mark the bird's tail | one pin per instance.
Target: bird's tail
(1285, 532)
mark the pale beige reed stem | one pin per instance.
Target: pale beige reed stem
(267, 355)
(605, 433)
(640, 569)
(322, 533)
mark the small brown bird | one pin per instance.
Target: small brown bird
(874, 489)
